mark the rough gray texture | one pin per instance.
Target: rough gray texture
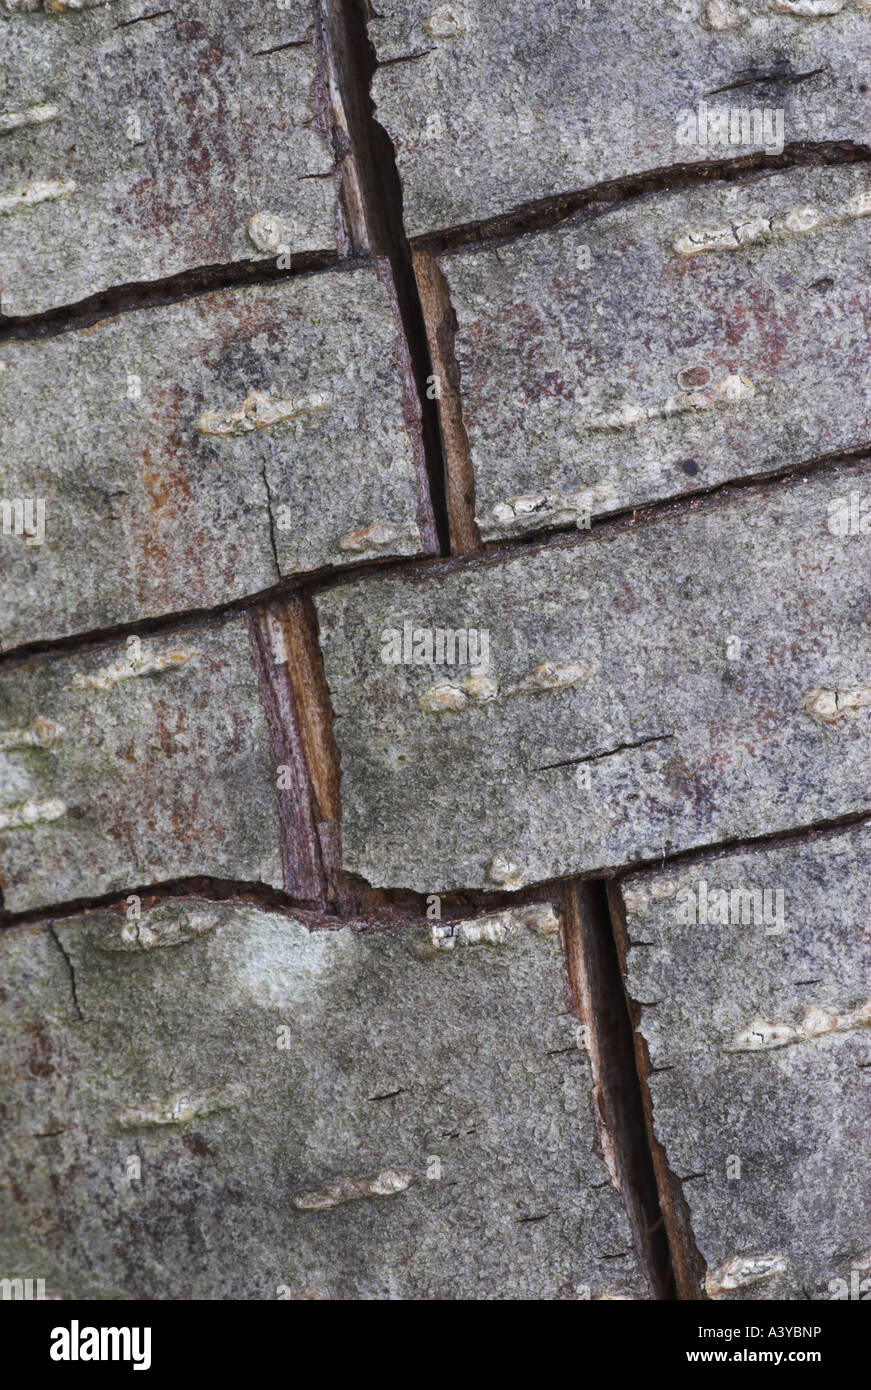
(115, 772)
(399, 1058)
(796, 1115)
(162, 517)
(549, 351)
(226, 130)
(640, 619)
(512, 102)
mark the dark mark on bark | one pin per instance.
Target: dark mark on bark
(782, 74)
(57, 941)
(280, 48)
(616, 1099)
(608, 753)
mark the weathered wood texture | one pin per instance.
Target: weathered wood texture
(751, 976)
(354, 1114)
(196, 453)
(492, 106)
(663, 346)
(172, 128)
(646, 689)
(136, 763)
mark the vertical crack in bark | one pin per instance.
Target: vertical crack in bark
(301, 860)
(57, 941)
(378, 195)
(617, 1100)
(265, 476)
(296, 621)
(686, 1259)
(441, 325)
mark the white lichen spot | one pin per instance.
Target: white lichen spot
(139, 935)
(180, 1108)
(147, 663)
(39, 191)
(29, 813)
(722, 14)
(259, 411)
(447, 22)
(50, 6)
(447, 695)
(546, 509)
(379, 535)
(481, 689)
(859, 205)
(732, 390)
(31, 115)
(386, 1183)
(495, 929)
(827, 706)
(503, 871)
(812, 9)
(41, 733)
(742, 1270)
(450, 696)
(798, 221)
(762, 1036)
(553, 675)
(540, 918)
(271, 232)
(637, 898)
(62, 6)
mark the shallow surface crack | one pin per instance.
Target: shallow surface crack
(57, 941)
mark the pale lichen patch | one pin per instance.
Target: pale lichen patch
(546, 508)
(505, 872)
(742, 1270)
(271, 232)
(827, 706)
(29, 813)
(721, 15)
(147, 664)
(39, 191)
(41, 733)
(447, 695)
(815, 9)
(379, 535)
(260, 411)
(385, 1183)
(62, 6)
(763, 1036)
(799, 221)
(732, 390)
(178, 1109)
(447, 22)
(552, 675)
(141, 935)
(637, 898)
(451, 696)
(31, 115)
(497, 928)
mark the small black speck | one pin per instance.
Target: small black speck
(824, 284)
(863, 87)
(690, 467)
